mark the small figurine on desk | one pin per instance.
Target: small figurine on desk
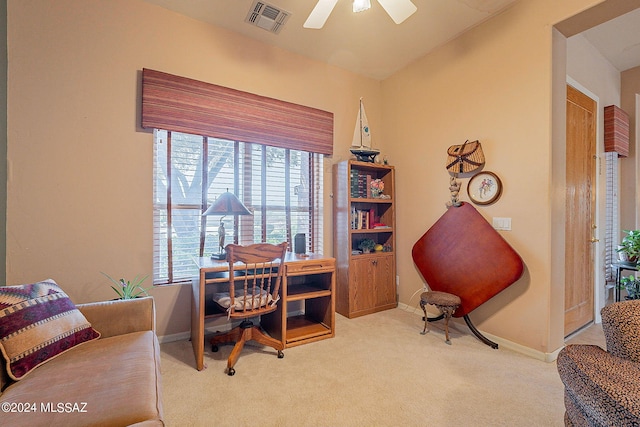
(221, 234)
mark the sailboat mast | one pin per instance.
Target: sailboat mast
(360, 115)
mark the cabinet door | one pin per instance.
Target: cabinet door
(385, 290)
(372, 283)
(362, 277)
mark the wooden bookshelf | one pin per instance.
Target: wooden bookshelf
(365, 282)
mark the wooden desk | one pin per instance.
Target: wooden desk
(307, 282)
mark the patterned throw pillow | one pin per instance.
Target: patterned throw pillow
(37, 323)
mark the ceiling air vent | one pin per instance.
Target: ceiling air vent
(267, 17)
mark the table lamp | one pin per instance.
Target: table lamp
(226, 204)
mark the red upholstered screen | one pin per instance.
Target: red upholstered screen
(463, 255)
(191, 106)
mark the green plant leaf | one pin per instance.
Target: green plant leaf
(127, 289)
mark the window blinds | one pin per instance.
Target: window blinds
(282, 188)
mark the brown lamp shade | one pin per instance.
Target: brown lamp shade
(616, 130)
(227, 204)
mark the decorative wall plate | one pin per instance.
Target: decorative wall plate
(484, 188)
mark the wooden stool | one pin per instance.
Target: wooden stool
(445, 302)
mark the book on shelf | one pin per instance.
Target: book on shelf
(354, 182)
(363, 219)
(360, 184)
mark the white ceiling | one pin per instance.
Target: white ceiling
(618, 40)
(367, 43)
(371, 44)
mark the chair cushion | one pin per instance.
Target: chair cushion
(37, 323)
(440, 298)
(621, 325)
(241, 303)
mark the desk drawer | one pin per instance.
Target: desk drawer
(310, 266)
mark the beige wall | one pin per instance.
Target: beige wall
(79, 166)
(3, 138)
(79, 190)
(494, 84)
(629, 212)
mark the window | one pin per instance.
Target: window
(282, 187)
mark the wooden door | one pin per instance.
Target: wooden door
(580, 210)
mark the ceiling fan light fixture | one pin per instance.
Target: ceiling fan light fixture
(398, 10)
(361, 5)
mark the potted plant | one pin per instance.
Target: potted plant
(366, 245)
(632, 285)
(630, 245)
(128, 289)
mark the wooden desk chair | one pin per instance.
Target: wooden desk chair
(255, 273)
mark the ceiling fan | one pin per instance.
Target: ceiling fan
(398, 10)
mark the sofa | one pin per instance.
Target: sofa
(602, 387)
(111, 379)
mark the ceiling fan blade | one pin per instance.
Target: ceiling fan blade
(398, 10)
(320, 13)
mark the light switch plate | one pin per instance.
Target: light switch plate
(502, 223)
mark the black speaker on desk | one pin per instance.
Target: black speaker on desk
(300, 243)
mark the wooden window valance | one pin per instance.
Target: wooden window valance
(185, 105)
(616, 130)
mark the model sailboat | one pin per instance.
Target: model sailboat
(361, 144)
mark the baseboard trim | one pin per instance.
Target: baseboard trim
(182, 336)
(503, 343)
(185, 336)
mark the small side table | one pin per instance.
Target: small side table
(619, 267)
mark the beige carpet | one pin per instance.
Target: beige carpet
(377, 371)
